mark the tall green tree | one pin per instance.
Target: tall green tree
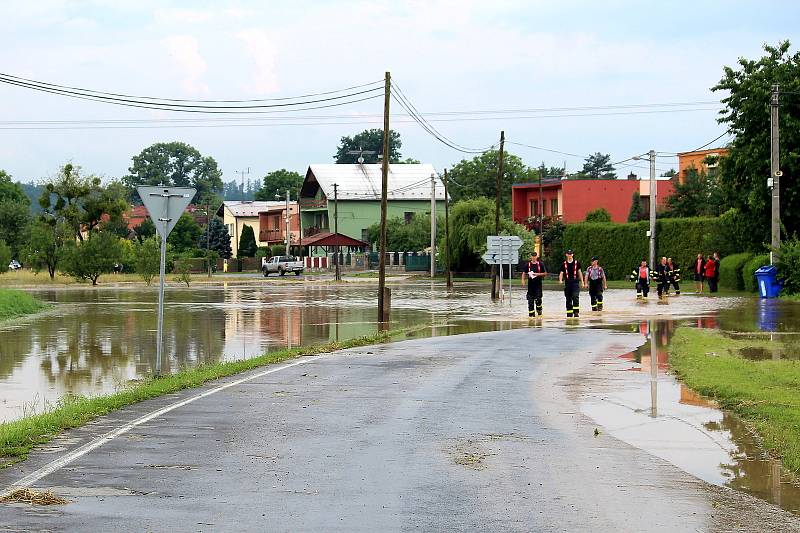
(218, 241)
(477, 177)
(369, 140)
(636, 212)
(744, 172)
(184, 235)
(699, 195)
(5, 257)
(174, 164)
(277, 182)
(46, 239)
(247, 242)
(65, 197)
(597, 166)
(11, 191)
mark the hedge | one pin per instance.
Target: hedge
(730, 271)
(749, 269)
(622, 246)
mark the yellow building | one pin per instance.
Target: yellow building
(238, 214)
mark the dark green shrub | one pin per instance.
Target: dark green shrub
(730, 271)
(598, 215)
(247, 242)
(788, 264)
(5, 257)
(749, 269)
(277, 249)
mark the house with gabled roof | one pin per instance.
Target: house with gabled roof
(358, 189)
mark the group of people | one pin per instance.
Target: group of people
(571, 275)
(666, 276)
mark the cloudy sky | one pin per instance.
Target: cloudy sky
(549, 60)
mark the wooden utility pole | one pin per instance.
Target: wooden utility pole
(448, 274)
(383, 301)
(208, 237)
(338, 273)
(300, 224)
(541, 211)
(495, 286)
(775, 170)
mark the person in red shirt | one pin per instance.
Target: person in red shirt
(710, 273)
(699, 271)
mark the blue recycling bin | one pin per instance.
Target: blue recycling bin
(768, 284)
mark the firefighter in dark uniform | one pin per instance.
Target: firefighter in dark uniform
(674, 276)
(572, 278)
(596, 278)
(661, 277)
(533, 273)
(641, 275)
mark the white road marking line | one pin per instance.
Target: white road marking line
(51, 467)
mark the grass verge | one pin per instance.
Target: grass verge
(766, 394)
(15, 303)
(18, 437)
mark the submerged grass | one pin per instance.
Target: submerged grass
(14, 303)
(766, 394)
(18, 437)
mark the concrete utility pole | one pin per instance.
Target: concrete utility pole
(288, 235)
(338, 273)
(541, 210)
(242, 173)
(383, 292)
(208, 237)
(447, 234)
(433, 225)
(495, 286)
(775, 173)
(300, 224)
(652, 155)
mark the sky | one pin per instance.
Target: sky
(546, 59)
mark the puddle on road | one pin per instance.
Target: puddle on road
(645, 406)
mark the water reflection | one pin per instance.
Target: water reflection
(648, 408)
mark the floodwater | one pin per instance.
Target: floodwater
(98, 339)
(644, 405)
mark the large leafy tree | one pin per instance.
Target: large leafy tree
(11, 191)
(368, 140)
(184, 235)
(477, 177)
(46, 239)
(219, 239)
(174, 164)
(66, 195)
(597, 166)
(698, 195)
(744, 172)
(14, 213)
(277, 183)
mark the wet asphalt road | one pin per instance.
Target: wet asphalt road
(470, 433)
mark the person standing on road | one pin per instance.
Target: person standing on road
(661, 277)
(641, 275)
(710, 273)
(572, 278)
(596, 277)
(674, 276)
(699, 271)
(716, 271)
(535, 272)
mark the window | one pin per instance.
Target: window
(554, 207)
(365, 234)
(534, 208)
(408, 216)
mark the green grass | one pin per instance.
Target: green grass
(766, 394)
(18, 437)
(15, 303)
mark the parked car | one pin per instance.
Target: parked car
(14, 265)
(281, 264)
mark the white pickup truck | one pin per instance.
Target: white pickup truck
(281, 264)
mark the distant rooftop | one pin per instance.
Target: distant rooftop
(247, 208)
(363, 182)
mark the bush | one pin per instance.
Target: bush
(5, 257)
(553, 246)
(788, 264)
(730, 271)
(598, 215)
(263, 251)
(277, 249)
(749, 269)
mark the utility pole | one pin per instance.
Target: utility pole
(300, 223)
(338, 274)
(495, 287)
(208, 237)
(433, 225)
(652, 155)
(288, 235)
(775, 173)
(447, 235)
(242, 173)
(383, 305)
(541, 210)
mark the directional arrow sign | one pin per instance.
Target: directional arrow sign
(506, 241)
(497, 258)
(165, 205)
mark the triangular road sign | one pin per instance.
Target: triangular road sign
(165, 205)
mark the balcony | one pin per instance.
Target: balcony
(271, 235)
(308, 232)
(313, 203)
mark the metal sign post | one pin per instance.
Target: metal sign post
(165, 206)
(501, 249)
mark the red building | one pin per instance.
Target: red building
(571, 199)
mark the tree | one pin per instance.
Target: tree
(698, 195)
(11, 191)
(184, 235)
(14, 220)
(637, 211)
(46, 239)
(93, 257)
(173, 164)
(219, 241)
(105, 204)
(5, 257)
(597, 166)
(743, 172)
(477, 177)
(277, 182)
(65, 195)
(147, 258)
(247, 242)
(598, 215)
(370, 140)
(412, 236)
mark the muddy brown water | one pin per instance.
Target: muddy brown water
(98, 339)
